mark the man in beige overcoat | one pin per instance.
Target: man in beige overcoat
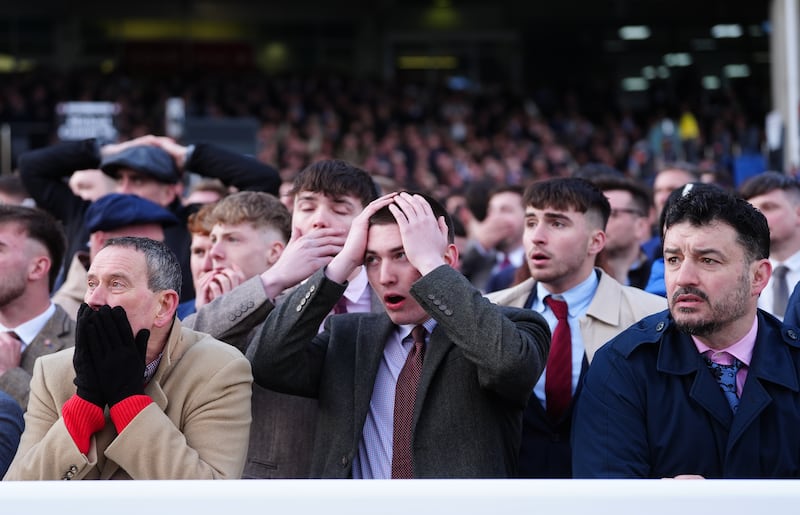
(139, 397)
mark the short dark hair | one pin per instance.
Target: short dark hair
(769, 181)
(335, 178)
(385, 217)
(704, 205)
(163, 269)
(641, 195)
(42, 227)
(565, 193)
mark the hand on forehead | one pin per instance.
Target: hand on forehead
(411, 206)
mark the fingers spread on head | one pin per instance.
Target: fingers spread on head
(399, 214)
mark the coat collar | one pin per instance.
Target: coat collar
(373, 332)
(772, 360)
(604, 306)
(173, 350)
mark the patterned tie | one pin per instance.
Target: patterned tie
(726, 377)
(404, 398)
(558, 373)
(780, 291)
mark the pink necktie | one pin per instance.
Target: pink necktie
(404, 398)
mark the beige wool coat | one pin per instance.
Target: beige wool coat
(197, 426)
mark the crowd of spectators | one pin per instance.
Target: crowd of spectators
(433, 138)
(572, 253)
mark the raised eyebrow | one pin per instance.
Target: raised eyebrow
(709, 251)
(111, 277)
(697, 252)
(552, 216)
(228, 232)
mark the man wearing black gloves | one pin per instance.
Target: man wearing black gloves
(178, 401)
(151, 167)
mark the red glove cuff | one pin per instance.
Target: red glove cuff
(126, 410)
(83, 419)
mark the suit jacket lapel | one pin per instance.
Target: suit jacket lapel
(680, 357)
(438, 347)
(370, 339)
(49, 339)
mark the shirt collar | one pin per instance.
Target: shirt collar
(151, 368)
(30, 329)
(577, 298)
(793, 263)
(741, 350)
(405, 330)
(355, 288)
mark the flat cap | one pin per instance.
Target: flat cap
(146, 159)
(118, 210)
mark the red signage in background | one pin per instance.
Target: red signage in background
(187, 55)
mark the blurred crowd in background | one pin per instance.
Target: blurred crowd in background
(434, 138)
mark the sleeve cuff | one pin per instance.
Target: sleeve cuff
(126, 410)
(83, 419)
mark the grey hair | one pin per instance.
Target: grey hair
(163, 269)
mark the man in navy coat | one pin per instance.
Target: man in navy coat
(652, 406)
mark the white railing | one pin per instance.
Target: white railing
(461, 497)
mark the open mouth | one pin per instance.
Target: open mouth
(539, 257)
(393, 301)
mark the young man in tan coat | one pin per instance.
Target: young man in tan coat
(565, 222)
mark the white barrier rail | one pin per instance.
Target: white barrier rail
(462, 497)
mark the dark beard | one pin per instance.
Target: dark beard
(701, 328)
(724, 312)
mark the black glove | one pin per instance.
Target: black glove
(118, 357)
(86, 378)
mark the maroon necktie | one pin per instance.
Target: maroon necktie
(404, 397)
(340, 306)
(558, 375)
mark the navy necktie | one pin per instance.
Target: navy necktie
(726, 377)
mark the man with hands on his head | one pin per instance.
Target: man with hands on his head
(178, 401)
(476, 362)
(328, 195)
